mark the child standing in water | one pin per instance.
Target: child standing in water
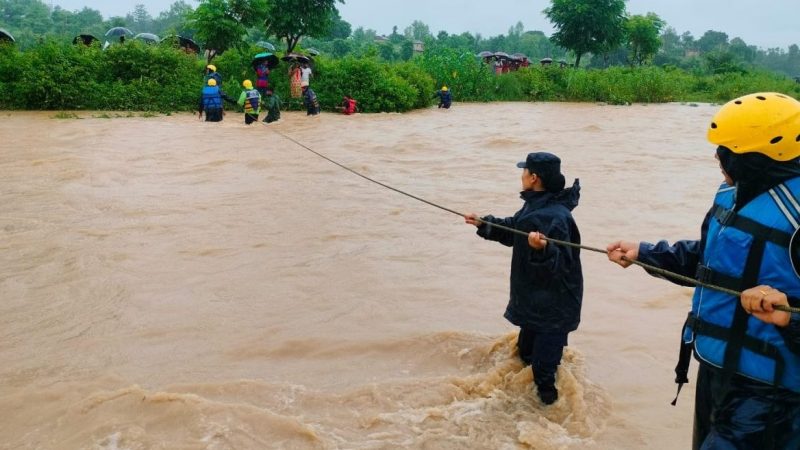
(546, 279)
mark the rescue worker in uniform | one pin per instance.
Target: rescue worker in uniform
(748, 382)
(445, 97)
(546, 279)
(250, 100)
(211, 101)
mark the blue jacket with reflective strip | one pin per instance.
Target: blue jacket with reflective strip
(726, 254)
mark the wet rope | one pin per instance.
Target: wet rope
(648, 267)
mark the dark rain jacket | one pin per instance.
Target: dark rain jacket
(546, 285)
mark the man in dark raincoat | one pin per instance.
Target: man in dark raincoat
(546, 279)
(748, 383)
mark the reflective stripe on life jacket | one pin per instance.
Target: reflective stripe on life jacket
(747, 248)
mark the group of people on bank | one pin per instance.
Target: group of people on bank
(747, 345)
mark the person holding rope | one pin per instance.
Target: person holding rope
(546, 279)
(748, 382)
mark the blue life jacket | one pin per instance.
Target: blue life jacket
(447, 98)
(744, 249)
(211, 98)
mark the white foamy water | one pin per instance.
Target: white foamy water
(169, 283)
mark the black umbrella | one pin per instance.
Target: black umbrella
(501, 55)
(294, 57)
(519, 56)
(546, 60)
(6, 36)
(119, 31)
(149, 38)
(85, 39)
(269, 58)
(179, 41)
(485, 54)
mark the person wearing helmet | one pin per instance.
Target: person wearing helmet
(211, 72)
(211, 101)
(250, 100)
(445, 98)
(748, 382)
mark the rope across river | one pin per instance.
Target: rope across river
(648, 267)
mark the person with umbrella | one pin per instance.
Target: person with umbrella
(262, 63)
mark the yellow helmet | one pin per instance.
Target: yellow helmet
(247, 84)
(765, 122)
(212, 67)
(212, 82)
(444, 88)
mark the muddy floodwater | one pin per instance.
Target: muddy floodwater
(167, 283)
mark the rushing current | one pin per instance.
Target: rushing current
(169, 283)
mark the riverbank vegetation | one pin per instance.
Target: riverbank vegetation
(644, 61)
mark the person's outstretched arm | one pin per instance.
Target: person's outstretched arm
(488, 232)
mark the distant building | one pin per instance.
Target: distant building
(419, 46)
(381, 39)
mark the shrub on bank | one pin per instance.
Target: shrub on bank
(135, 76)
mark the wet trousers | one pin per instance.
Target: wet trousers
(213, 115)
(743, 414)
(250, 118)
(543, 352)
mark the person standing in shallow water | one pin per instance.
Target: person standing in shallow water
(748, 383)
(546, 279)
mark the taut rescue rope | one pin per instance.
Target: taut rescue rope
(647, 267)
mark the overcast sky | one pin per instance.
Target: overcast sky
(765, 23)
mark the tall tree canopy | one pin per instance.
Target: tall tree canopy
(221, 24)
(643, 37)
(587, 26)
(292, 19)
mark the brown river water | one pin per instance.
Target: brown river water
(167, 283)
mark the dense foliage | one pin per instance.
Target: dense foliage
(384, 73)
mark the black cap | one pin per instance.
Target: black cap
(547, 166)
(541, 162)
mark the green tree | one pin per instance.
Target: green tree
(341, 29)
(418, 31)
(221, 24)
(712, 41)
(292, 19)
(587, 26)
(643, 37)
(173, 20)
(140, 19)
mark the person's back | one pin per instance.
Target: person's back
(349, 106)
(211, 101)
(310, 101)
(273, 107)
(250, 100)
